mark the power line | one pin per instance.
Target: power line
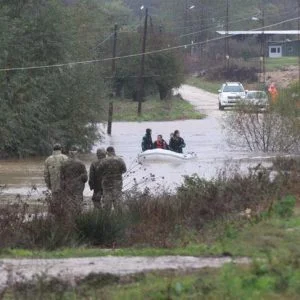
(232, 22)
(71, 64)
(219, 18)
(106, 39)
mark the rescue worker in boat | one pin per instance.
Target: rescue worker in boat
(73, 179)
(112, 168)
(177, 142)
(147, 143)
(52, 176)
(160, 143)
(95, 178)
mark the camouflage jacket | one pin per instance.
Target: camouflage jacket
(112, 169)
(52, 170)
(96, 176)
(73, 176)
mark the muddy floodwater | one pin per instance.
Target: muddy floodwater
(204, 137)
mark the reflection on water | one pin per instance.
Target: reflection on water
(203, 137)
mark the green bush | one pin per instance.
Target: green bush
(284, 208)
(101, 228)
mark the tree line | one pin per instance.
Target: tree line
(42, 106)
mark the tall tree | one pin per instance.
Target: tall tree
(42, 106)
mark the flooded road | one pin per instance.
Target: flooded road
(204, 137)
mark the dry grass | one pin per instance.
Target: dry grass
(149, 220)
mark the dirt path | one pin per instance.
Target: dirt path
(74, 269)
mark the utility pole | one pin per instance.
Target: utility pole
(227, 36)
(185, 21)
(203, 34)
(141, 83)
(114, 50)
(263, 43)
(113, 71)
(298, 43)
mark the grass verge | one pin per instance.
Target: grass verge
(251, 239)
(275, 64)
(203, 84)
(274, 274)
(231, 282)
(154, 109)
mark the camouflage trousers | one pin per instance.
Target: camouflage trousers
(56, 203)
(74, 202)
(112, 199)
(64, 204)
(97, 200)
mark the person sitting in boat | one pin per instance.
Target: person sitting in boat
(160, 143)
(147, 143)
(177, 142)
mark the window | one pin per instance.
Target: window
(273, 50)
(278, 49)
(233, 89)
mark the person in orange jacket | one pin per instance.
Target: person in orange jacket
(273, 92)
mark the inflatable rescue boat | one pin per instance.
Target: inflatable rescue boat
(160, 155)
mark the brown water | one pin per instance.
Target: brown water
(204, 137)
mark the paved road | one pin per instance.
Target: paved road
(204, 101)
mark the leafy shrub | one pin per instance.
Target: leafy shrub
(211, 200)
(101, 228)
(284, 208)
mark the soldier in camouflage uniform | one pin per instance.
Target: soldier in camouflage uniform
(52, 176)
(112, 169)
(95, 179)
(73, 179)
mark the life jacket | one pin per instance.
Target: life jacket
(160, 144)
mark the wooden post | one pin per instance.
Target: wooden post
(110, 117)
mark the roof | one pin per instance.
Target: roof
(253, 32)
(287, 41)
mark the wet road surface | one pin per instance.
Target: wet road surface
(74, 269)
